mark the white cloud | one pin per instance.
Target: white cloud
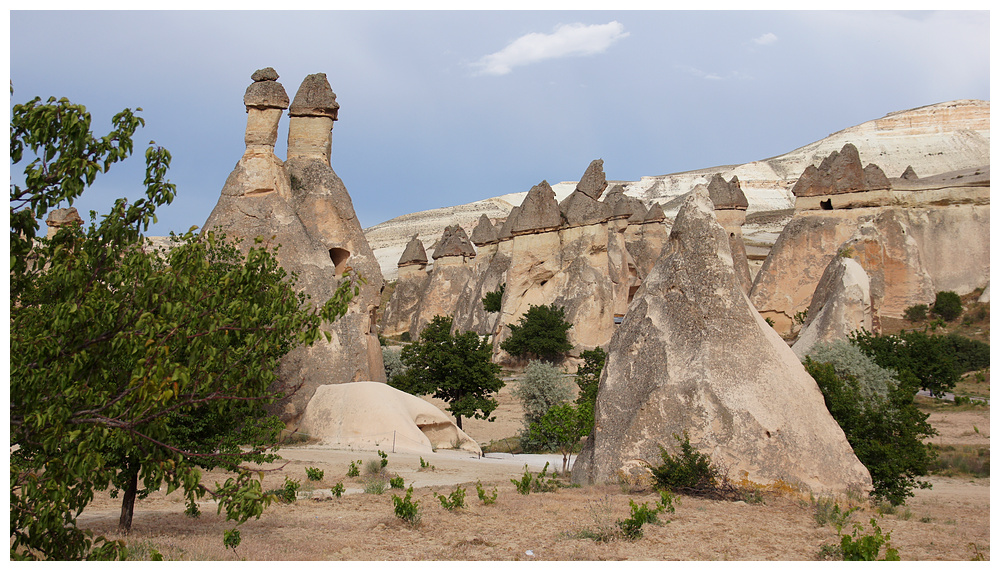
(567, 40)
(766, 39)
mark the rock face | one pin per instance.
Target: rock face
(730, 209)
(692, 355)
(303, 206)
(841, 304)
(375, 416)
(410, 285)
(452, 270)
(571, 254)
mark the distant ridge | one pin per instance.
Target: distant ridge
(933, 139)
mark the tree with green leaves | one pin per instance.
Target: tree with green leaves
(886, 430)
(588, 378)
(561, 428)
(454, 368)
(541, 332)
(493, 300)
(127, 364)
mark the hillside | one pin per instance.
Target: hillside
(933, 139)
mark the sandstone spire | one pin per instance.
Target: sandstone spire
(413, 254)
(593, 181)
(484, 232)
(539, 211)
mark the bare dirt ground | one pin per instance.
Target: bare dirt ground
(951, 521)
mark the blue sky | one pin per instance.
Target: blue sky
(440, 108)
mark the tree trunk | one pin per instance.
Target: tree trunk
(128, 498)
(458, 421)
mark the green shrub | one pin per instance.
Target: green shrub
(396, 482)
(951, 460)
(865, 547)
(286, 493)
(352, 471)
(407, 509)
(405, 337)
(848, 359)
(948, 305)
(524, 484)
(826, 510)
(424, 465)
(486, 499)
(886, 433)
(454, 500)
(231, 539)
(493, 299)
(384, 459)
(541, 482)
(337, 490)
(314, 474)
(929, 358)
(542, 332)
(967, 354)
(375, 486)
(542, 387)
(393, 362)
(631, 528)
(915, 313)
(689, 471)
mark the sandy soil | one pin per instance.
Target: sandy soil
(948, 522)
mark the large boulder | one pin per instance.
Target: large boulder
(693, 357)
(375, 416)
(841, 304)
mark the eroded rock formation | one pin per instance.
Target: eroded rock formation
(410, 284)
(302, 205)
(731, 209)
(841, 305)
(693, 356)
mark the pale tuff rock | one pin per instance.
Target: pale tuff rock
(60, 218)
(884, 247)
(485, 232)
(311, 118)
(410, 285)
(304, 207)
(840, 305)
(985, 296)
(787, 279)
(375, 416)
(645, 241)
(908, 254)
(674, 368)
(730, 209)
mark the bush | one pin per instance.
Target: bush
(454, 500)
(375, 486)
(915, 313)
(948, 305)
(396, 482)
(406, 509)
(886, 433)
(967, 354)
(542, 387)
(337, 490)
(286, 493)
(689, 471)
(392, 362)
(352, 471)
(847, 359)
(487, 499)
(314, 474)
(865, 547)
(929, 358)
(492, 300)
(541, 332)
(828, 511)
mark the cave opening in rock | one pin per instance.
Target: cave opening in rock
(826, 204)
(339, 258)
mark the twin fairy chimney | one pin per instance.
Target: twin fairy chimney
(302, 205)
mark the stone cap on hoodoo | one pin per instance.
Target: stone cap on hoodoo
(414, 253)
(265, 92)
(909, 173)
(840, 173)
(61, 217)
(655, 214)
(484, 232)
(505, 233)
(594, 181)
(454, 242)
(624, 206)
(315, 98)
(726, 195)
(539, 212)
